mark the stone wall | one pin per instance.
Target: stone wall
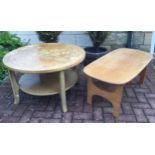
(116, 39)
(140, 40)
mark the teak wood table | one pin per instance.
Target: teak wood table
(118, 68)
(46, 69)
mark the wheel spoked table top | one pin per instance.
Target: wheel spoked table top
(44, 58)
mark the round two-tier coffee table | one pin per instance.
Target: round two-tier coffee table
(46, 69)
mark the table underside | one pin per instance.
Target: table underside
(46, 84)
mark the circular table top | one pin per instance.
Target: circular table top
(44, 58)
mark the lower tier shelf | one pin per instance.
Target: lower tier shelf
(46, 84)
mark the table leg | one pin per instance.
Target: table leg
(63, 91)
(116, 100)
(113, 96)
(89, 90)
(15, 86)
(78, 74)
(142, 76)
(77, 70)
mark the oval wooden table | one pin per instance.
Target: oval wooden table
(117, 68)
(46, 69)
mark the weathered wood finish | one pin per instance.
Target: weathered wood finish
(38, 61)
(15, 86)
(62, 91)
(44, 58)
(118, 68)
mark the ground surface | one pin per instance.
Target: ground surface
(138, 105)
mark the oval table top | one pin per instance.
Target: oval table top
(44, 58)
(119, 66)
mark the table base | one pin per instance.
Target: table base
(44, 84)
